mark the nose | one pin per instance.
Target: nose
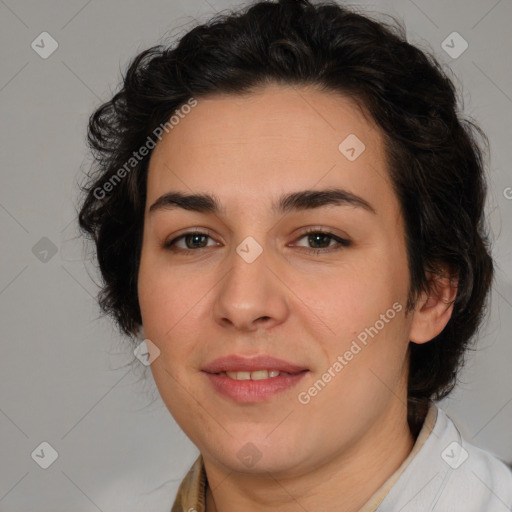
(251, 295)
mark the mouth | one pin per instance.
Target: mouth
(252, 380)
(261, 363)
(254, 375)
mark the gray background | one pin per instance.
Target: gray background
(65, 376)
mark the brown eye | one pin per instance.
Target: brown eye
(321, 241)
(190, 241)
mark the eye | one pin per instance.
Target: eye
(321, 241)
(193, 240)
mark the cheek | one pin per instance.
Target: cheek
(364, 366)
(165, 296)
(169, 319)
(363, 304)
(174, 312)
(353, 297)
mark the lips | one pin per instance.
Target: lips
(236, 363)
(252, 380)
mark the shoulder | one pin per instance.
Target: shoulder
(485, 478)
(450, 474)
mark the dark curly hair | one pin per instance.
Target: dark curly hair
(434, 155)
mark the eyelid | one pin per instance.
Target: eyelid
(341, 241)
(191, 231)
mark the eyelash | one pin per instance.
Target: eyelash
(342, 242)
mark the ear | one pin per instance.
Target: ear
(434, 309)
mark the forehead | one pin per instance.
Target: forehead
(274, 140)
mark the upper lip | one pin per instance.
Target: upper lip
(235, 363)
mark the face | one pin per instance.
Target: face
(279, 277)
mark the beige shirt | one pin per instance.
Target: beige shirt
(191, 495)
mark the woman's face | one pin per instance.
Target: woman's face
(253, 283)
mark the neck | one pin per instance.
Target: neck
(344, 484)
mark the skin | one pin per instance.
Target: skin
(305, 308)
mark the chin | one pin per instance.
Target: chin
(260, 454)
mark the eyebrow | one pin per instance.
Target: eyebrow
(295, 201)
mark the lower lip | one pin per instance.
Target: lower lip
(247, 391)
